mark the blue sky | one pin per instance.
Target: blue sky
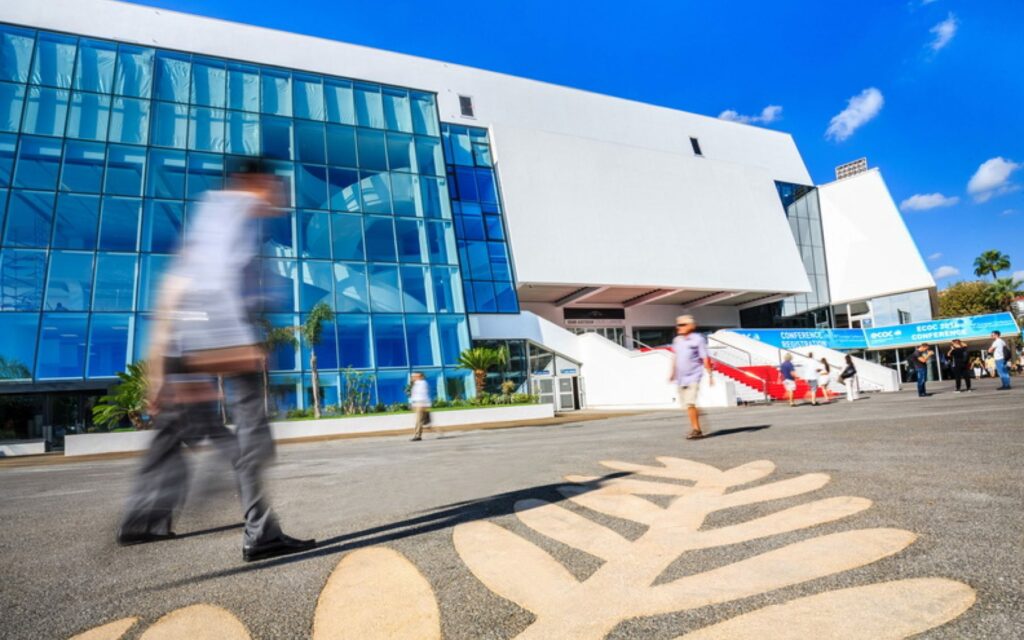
(937, 86)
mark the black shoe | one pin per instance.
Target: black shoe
(1003, 388)
(417, 439)
(279, 546)
(127, 539)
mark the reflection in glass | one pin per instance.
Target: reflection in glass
(29, 219)
(61, 346)
(389, 341)
(76, 222)
(17, 344)
(21, 279)
(109, 335)
(115, 282)
(69, 286)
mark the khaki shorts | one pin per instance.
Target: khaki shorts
(789, 385)
(688, 395)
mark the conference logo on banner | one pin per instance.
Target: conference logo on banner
(969, 328)
(839, 339)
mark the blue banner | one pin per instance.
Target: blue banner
(970, 328)
(839, 339)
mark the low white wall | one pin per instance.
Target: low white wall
(22, 448)
(123, 441)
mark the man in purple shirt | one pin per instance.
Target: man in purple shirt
(689, 362)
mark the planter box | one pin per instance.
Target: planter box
(124, 441)
(12, 448)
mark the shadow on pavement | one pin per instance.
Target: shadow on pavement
(729, 432)
(443, 517)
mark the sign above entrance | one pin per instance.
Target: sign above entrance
(969, 328)
(838, 339)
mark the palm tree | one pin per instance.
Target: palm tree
(312, 331)
(1003, 292)
(273, 337)
(126, 400)
(991, 262)
(479, 360)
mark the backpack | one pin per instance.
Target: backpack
(1007, 355)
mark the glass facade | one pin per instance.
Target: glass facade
(804, 216)
(488, 280)
(106, 149)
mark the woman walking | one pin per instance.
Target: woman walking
(848, 377)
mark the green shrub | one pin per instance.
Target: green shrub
(441, 403)
(398, 407)
(299, 413)
(524, 398)
(380, 407)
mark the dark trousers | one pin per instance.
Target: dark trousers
(961, 372)
(921, 375)
(162, 483)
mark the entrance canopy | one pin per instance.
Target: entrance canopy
(891, 337)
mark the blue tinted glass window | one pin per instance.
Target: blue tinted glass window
(389, 341)
(61, 346)
(375, 189)
(499, 261)
(354, 342)
(309, 142)
(18, 344)
(416, 291)
(454, 338)
(285, 171)
(171, 76)
(326, 358)
(341, 145)
(391, 387)
(69, 286)
(311, 187)
(372, 150)
(284, 393)
(340, 106)
(380, 240)
(21, 279)
(465, 180)
(276, 95)
(385, 291)
(7, 145)
(54, 60)
(343, 189)
(166, 174)
(350, 287)
(506, 297)
(243, 133)
(125, 168)
(316, 285)
(424, 115)
(134, 74)
(108, 344)
(411, 241)
(483, 296)
(424, 350)
(369, 106)
(115, 282)
(12, 97)
(279, 278)
(397, 110)
(486, 190)
(458, 142)
(162, 226)
(429, 157)
(206, 129)
(479, 261)
(309, 97)
(119, 224)
(276, 237)
(348, 237)
(447, 290)
(314, 234)
(170, 125)
(15, 53)
(94, 70)
(29, 219)
(472, 227)
(441, 242)
(482, 154)
(434, 199)
(209, 83)
(401, 152)
(77, 219)
(492, 225)
(83, 167)
(243, 87)
(150, 277)
(129, 121)
(277, 138)
(405, 192)
(282, 357)
(205, 173)
(46, 110)
(38, 163)
(88, 116)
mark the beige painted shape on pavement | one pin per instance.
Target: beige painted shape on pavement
(110, 631)
(376, 594)
(197, 622)
(885, 611)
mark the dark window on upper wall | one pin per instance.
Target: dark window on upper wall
(696, 146)
(466, 106)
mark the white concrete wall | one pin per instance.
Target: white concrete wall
(869, 250)
(13, 448)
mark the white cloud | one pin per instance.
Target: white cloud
(926, 201)
(992, 179)
(935, 256)
(771, 113)
(943, 32)
(860, 109)
(945, 271)
(1009, 212)
(1018, 275)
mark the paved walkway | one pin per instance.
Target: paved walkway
(891, 516)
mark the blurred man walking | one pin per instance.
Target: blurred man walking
(1001, 354)
(689, 363)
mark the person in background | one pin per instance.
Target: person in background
(419, 399)
(812, 374)
(922, 355)
(848, 376)
(788, 372)
(690, 361)
(824, 379)
(978, 367)
(1001, 354)
(990, 366)
(957, 355)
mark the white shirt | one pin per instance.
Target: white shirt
(997, 348)
(420, 394)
